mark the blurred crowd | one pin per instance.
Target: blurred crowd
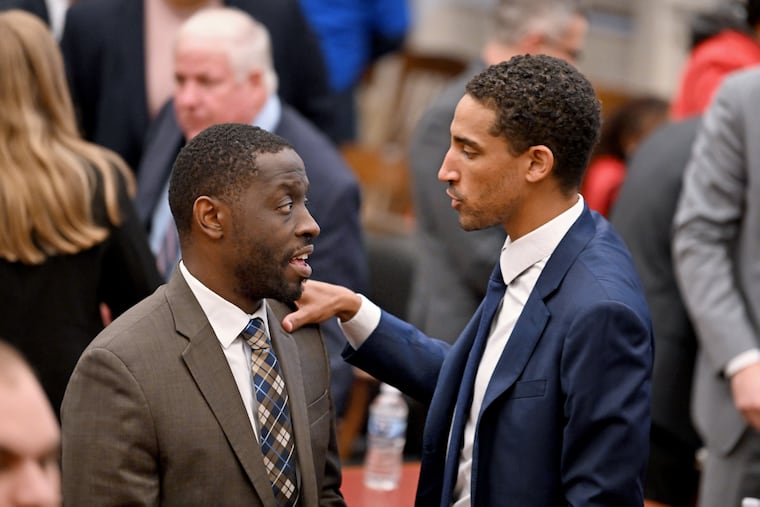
(99, 97)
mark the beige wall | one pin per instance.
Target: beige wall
(640, 48)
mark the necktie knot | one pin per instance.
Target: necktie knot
(255, 335)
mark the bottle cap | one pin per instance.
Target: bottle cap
(750, 502)
(386, 388)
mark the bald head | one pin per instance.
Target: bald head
(244, 40)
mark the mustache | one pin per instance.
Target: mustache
(453, 193)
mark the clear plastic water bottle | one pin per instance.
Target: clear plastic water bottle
(386, 434)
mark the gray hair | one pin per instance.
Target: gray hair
(515, 19)
(245, 41)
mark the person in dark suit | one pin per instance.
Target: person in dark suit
(544, 399)
(452, 270)
(36, 7)
(70, 237)
(108, 46)
(171, 392)
(643, 214)
(226, 45)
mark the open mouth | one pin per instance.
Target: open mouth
(299, 262)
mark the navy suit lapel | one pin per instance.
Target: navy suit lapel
(493, 298)
(535, 315)
(440, 413)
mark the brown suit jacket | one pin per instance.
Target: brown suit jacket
(152, 414)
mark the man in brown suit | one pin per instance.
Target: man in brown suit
(162, 408)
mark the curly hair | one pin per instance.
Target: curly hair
(541, 100)
(219, 162)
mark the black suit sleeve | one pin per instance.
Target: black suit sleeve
(298, 60)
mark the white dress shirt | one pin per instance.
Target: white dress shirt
(522, 262)
(228, 321)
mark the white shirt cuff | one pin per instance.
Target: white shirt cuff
(742, 361)
(358, 328)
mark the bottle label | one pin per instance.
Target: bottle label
(386, 426)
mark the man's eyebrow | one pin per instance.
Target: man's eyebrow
(466, 141)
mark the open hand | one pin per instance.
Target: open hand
(321, 301)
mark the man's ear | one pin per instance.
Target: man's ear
(210, 217)
(541, 163)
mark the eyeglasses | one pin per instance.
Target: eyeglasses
(571, 54)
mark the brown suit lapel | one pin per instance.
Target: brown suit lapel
(286, 348)
(208, 366)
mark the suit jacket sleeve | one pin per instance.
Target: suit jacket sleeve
(605, 373)
(109, 458)
(707, 227)
(401, 355)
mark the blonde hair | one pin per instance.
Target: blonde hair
(245, 41)
(48, 173)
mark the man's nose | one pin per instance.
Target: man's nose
(447, 172)
(307, 226)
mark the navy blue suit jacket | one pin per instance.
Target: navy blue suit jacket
(334, 201)
(565, 419)
(103, 46)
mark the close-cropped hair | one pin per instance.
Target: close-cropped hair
(219, 162)
(48, 174)
(515, 19)
(542, 100)
(245, 41)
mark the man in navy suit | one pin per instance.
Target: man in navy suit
(545, 397)
(224, 74)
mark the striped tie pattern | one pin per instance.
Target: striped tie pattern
(275, 429)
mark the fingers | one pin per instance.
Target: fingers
(292, 321)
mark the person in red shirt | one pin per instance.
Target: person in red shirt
(722, 42)
(621, 133)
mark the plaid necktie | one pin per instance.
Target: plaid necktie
(275, 429)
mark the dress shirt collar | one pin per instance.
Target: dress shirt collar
(519, 255)
(269, 116)
(226, 319)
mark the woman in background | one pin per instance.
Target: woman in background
(69, 238)
(621, 133)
